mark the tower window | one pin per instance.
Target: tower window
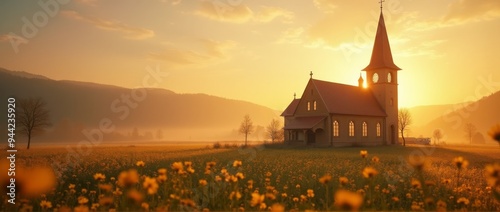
(365, 129)
(378, 129)
(351, 128)
(335, 128)
(308, 106)
(314, 105)
(392, 102)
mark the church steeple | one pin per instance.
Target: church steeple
(381, 54)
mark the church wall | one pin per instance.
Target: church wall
(358, 139)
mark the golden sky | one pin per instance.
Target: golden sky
(256, 50)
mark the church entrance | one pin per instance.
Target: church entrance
(311, 137)
(393, 132)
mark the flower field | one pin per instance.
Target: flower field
(257, 178)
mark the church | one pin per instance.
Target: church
(334, 114)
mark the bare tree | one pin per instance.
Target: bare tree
(33, 117)
(404, 120)
(273, 130)
(437, 134)
(246, 127)
(470, 131)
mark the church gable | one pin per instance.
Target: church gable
(311, 102)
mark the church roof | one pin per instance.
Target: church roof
(348, 99)
(290, 110)
(303, 122)
(381, 54)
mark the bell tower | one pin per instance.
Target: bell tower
(382, 80)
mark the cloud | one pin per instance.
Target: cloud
(461, 12)
(427, 48)
(473, 10)
(223, 12)
(240, 13)
(267, 14)
(129, 32)
(327, 6)
(211, 52)
(292, 35)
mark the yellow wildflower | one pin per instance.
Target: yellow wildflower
(150, 185)
(347, 200)
(369, 172)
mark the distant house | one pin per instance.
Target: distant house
(334, 114)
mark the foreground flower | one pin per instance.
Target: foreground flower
(463, 200)
(162, 171)
(45, 204)
(82, 200)
(325, 179)
(310, 193)
(460, 162)
(369, 172)
(177, 166)
(128, 178)
(140, 163)
(202, 182)
(363, 153)
(347, 200)
(492, 174)
(150, 185)
(276, 207)
(257, 199)
(235, 195)
(237, 163)
(343, 181)
(495, 133)
(99, 177)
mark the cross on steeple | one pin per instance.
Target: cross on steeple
(381, 4)
(311, 74)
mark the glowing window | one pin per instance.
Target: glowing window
(314, 105)
(335, 128)
(378, 129)
(365, 129)
(351, 128)
(308, 106)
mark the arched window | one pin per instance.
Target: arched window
(378, 129)
(365, 129)
(314, 105)
(335, 128)
(308, 106)
(351, 128)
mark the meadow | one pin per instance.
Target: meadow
(257, 178)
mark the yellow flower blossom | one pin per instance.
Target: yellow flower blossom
(150, 185)
(140, 163)
(347, 200)
(460, 162)
(363, 153)
(99, 177)
(325, 179)
(369, 172)
(45, 204)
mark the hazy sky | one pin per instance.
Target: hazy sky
(256, 50)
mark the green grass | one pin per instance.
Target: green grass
(283, 176)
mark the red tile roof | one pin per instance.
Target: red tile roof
(299, 123)
(348, 99)
(381, 54)
(290, 110)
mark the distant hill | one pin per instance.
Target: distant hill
(451, 119)
(162, 113)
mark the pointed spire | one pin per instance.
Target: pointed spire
(360, 81)
(381, 54)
